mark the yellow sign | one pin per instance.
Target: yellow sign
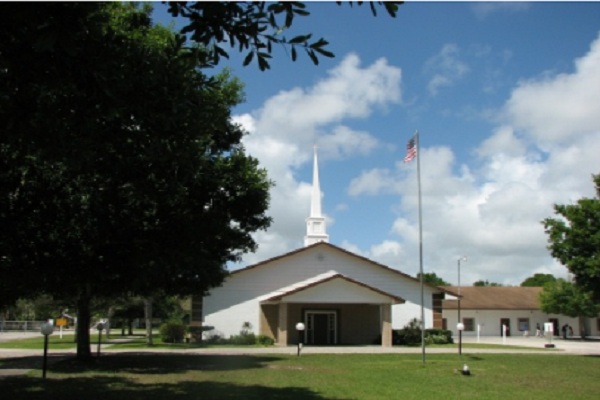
(61, 322)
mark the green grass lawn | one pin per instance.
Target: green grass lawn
(312, 376)
(37, 342)
(116, 341)
(138, 341)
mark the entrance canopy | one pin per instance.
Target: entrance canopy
(331, 287)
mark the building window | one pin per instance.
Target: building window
(523, 324)
(469, 324)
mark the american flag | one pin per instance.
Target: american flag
(411, 150)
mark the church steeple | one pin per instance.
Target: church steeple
(315, 223)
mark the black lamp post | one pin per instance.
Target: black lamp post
(460, 326)
(46, 329)
(100, 326)
(300, 328)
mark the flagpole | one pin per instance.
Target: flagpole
(418, 145)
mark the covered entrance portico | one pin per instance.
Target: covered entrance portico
(334, 309)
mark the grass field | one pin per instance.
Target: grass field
(312, 376)
(139, 342)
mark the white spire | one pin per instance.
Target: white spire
(315, 199)
(315, 223)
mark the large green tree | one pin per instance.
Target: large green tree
(563, 297)
(120, 168)
(254, 28)
(574, 239)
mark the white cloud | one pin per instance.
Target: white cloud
(543, 152)
(493, 214)
(446, 68)
(483, 9)
(284, 130)
(344, 142)
(555, 109)
(372, 182)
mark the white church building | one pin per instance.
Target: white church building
(341, 297)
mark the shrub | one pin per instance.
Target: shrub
(410, 335)
(440, 336)
(243, 339)
(172, 332)
(264, 340)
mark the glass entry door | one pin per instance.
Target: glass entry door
(321, 327)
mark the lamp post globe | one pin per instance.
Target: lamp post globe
(300, 328)
(460, 327)
(47, 328)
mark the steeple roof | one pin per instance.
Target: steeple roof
(315, 223)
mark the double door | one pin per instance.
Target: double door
(321, 327)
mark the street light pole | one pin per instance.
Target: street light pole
(46, 329)
(300, 328)
(460, 326)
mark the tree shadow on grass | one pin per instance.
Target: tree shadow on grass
(115, 388)
(124, 376)
(140, 363)
(161, 363)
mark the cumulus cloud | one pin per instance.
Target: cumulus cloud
(555, 109)
(544, 153)
(285, 129)
(446, 68)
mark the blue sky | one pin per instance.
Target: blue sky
(506, 97)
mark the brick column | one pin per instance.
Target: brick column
(196, 317)
(282, 332)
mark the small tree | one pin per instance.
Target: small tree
(481, 282)
(431, 278)
(538, 280)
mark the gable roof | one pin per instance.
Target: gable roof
(322, 279)
(494, 298)
(339, 249)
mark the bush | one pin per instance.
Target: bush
(243, 339)
(264, 340)
(410, 335)
(172, 332)
(440, 336)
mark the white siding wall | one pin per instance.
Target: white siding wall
(229, 306)
(489, 321)
(337, 291)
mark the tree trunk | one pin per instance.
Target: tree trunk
(148, 317)
(108, 324)
(84, 352)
